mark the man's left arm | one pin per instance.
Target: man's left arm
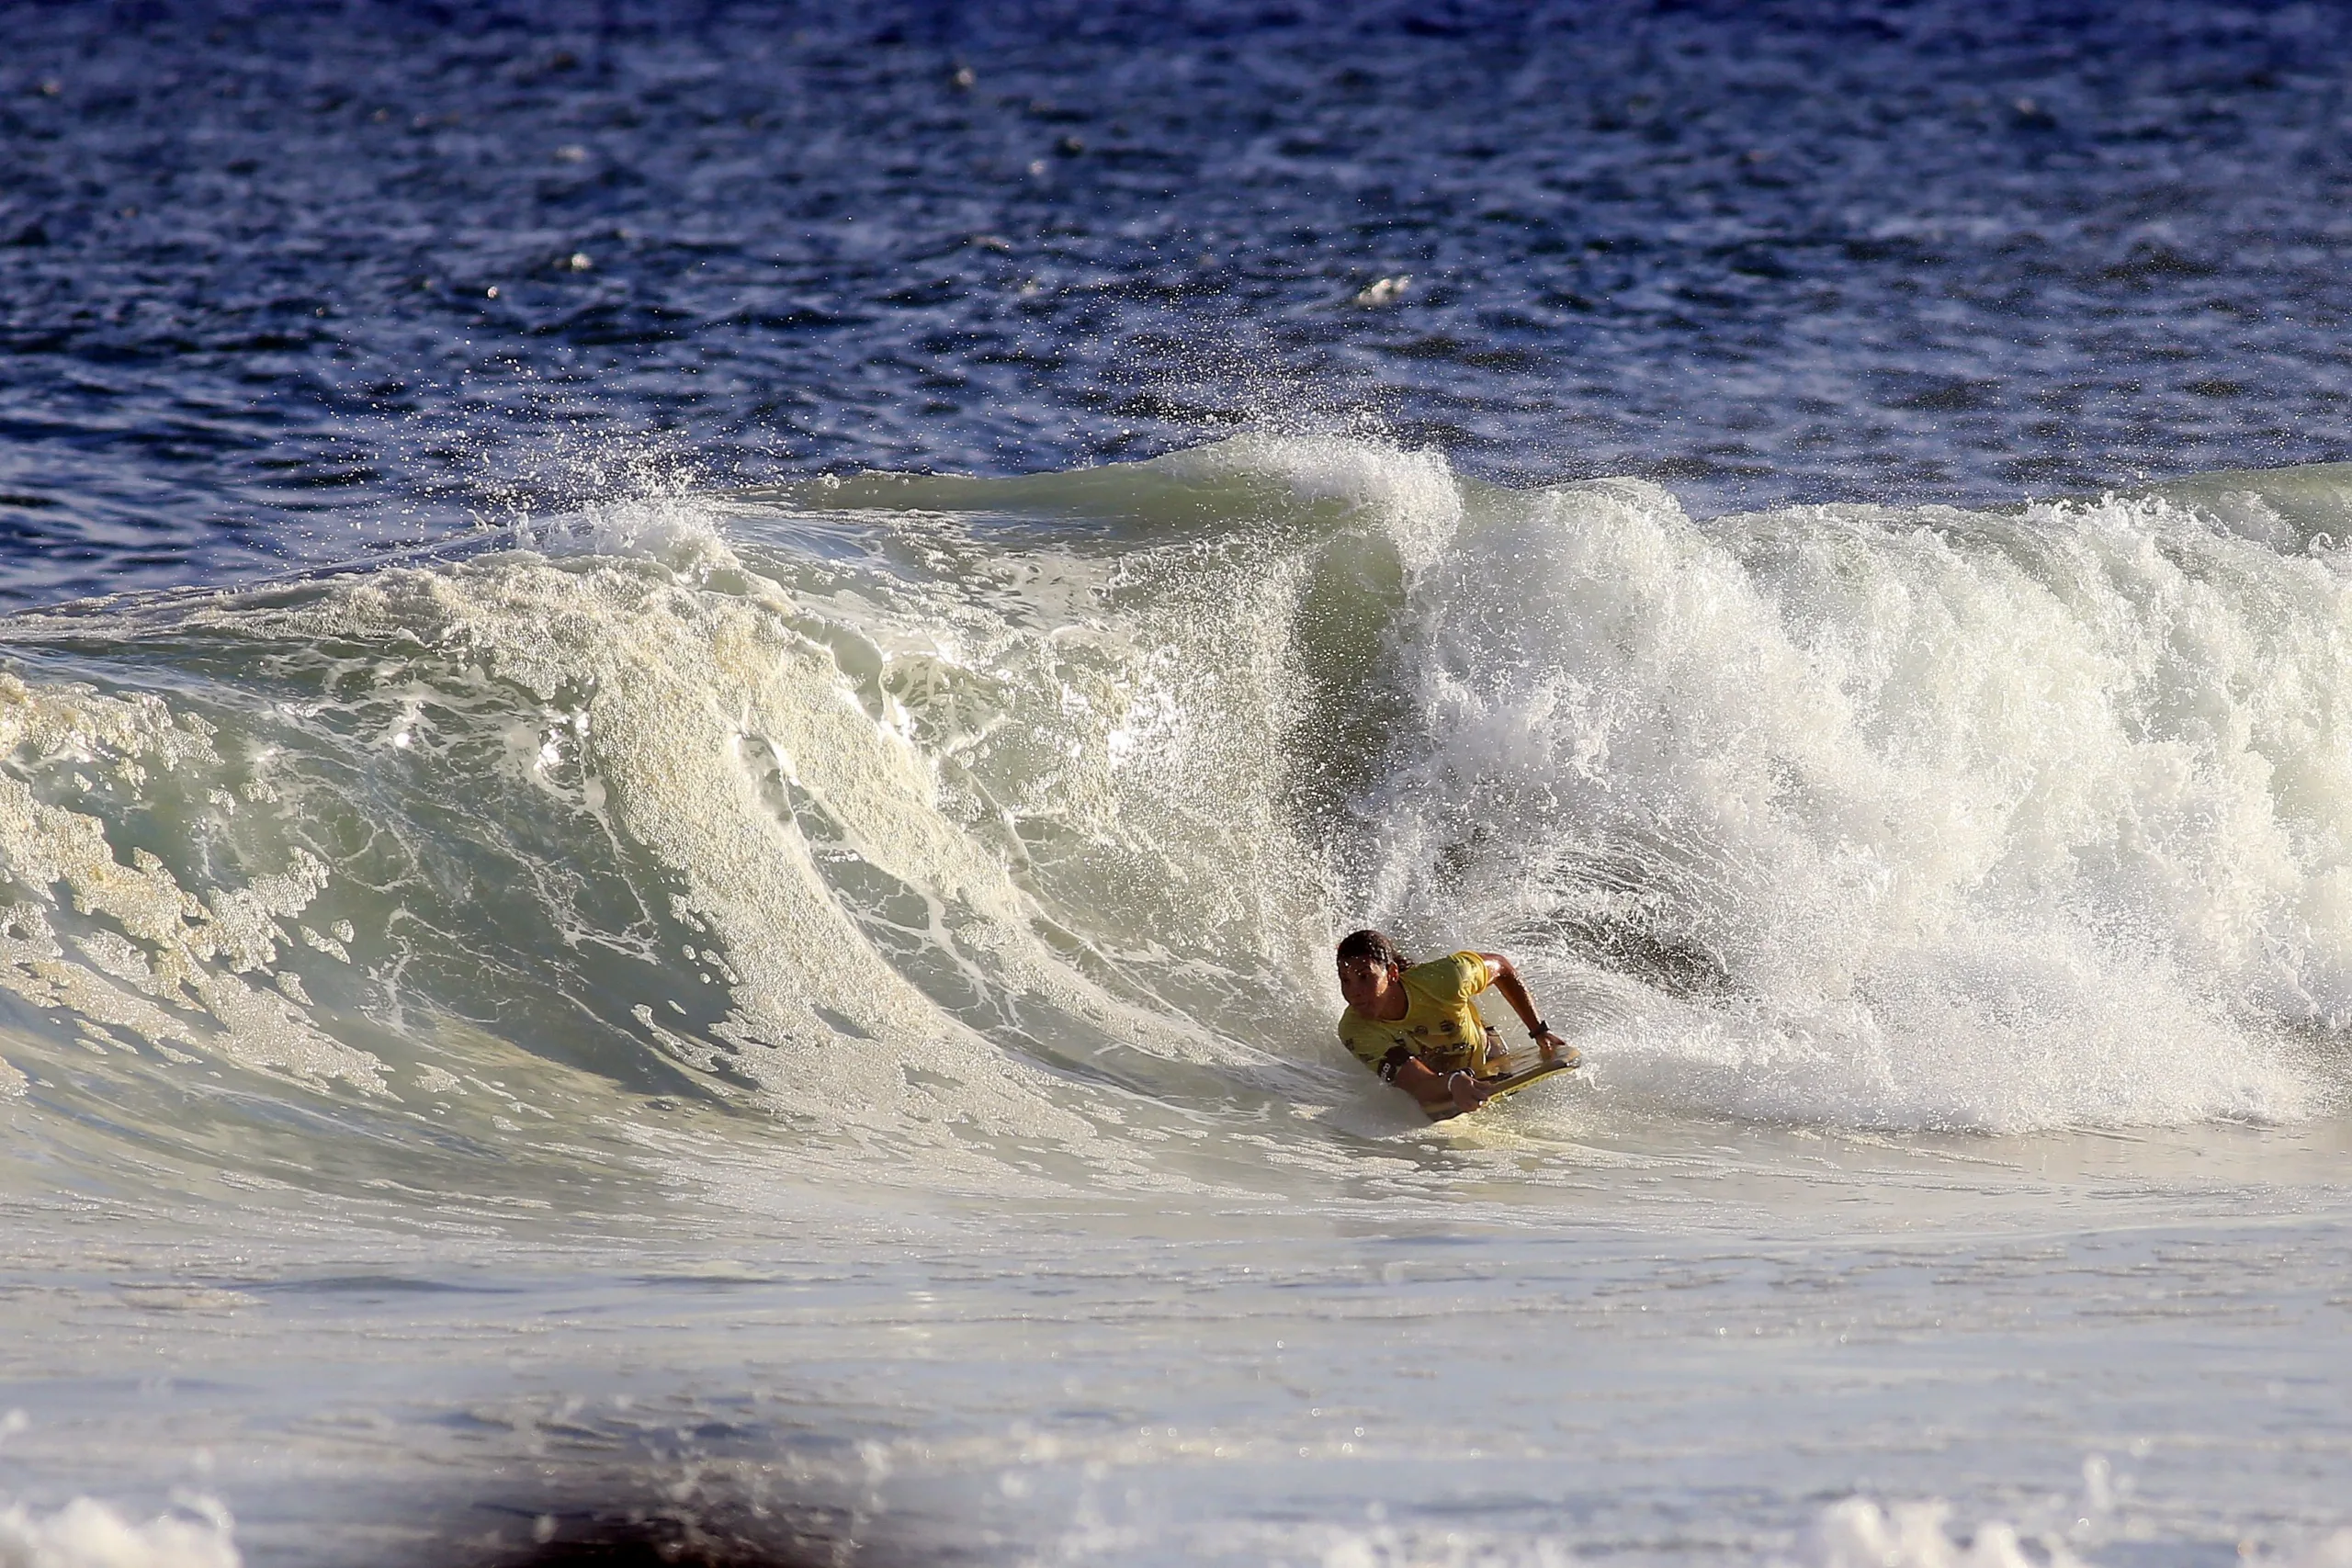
(1514, 991)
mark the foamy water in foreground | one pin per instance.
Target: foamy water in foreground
(798, 1022)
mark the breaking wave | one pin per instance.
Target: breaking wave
(981, 832)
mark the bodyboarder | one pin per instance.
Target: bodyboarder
(1415, 1026)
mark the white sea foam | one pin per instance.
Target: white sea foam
(170, 966)
(1858, 1533)
(86, 1533)
(1929, 817)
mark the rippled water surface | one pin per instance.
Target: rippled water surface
(1763, 252)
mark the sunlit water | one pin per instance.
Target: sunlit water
(713, 1006)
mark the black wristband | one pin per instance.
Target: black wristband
(1539, 1031)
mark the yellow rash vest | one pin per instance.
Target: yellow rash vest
(1440, 1026)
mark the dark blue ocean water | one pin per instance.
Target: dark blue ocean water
(280, 284)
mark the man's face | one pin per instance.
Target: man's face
(1362, 980)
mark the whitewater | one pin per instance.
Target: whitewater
(794, 1024)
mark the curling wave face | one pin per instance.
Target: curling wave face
(977, 832)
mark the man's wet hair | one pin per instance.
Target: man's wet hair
(1374, 945)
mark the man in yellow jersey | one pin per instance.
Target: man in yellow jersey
(1416, 1025)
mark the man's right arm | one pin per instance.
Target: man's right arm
(1436, 1090)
